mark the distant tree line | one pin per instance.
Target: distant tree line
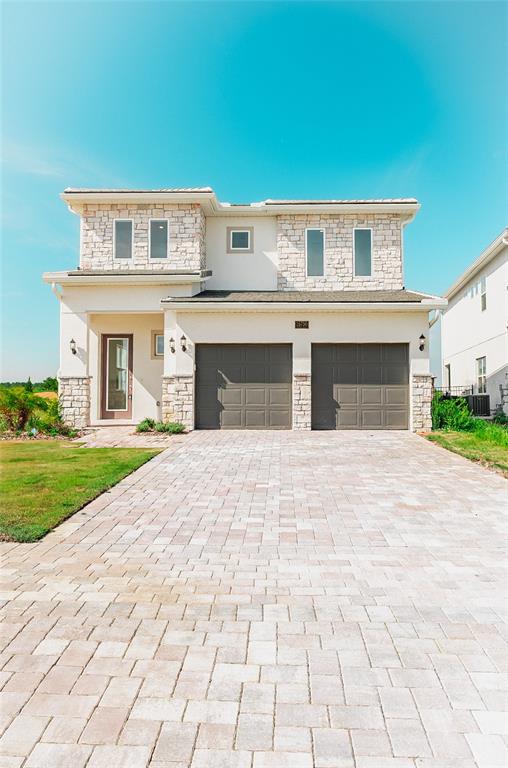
(50, 384)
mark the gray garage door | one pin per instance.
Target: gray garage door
(360, 386)
(243, 386)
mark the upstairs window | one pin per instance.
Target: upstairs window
(159, 237)
(481, 375)
(122, 239)
(240, 239)
(363, 252)
(315, 252)
(483, 293)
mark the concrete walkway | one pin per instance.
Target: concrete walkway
(265, 600)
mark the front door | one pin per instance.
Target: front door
(116, 398)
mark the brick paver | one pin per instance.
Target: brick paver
(261, 600)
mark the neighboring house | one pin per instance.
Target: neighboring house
(274, 315)
(473, 328)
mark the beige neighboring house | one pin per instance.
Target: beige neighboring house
(273, 315)
(473, 328)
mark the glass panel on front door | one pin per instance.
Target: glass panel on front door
(117, 375)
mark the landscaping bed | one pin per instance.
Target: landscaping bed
(43, 482)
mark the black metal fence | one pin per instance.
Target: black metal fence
(479, 405)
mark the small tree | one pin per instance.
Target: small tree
(17, 405)
(50, 384)
(29, 387)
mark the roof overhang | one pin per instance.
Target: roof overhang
(181, 305)
(483, 259)
(206, 197)
(146, 278)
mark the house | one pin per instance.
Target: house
(274, 315)
(472, 329)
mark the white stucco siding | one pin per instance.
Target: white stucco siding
(469, 333)
(256, 271)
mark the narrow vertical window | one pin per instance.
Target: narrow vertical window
(122, 239)
(483, 293)
(481, 375)
(158, 239)
(315, 252)
(363, 252)
(448, 372)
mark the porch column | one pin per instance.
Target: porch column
(178, 376)
(422, 401)
(73, 376)
(302, 349)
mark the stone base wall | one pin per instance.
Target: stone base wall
(74, 394)
(301, 401)
(178, 399)
(422, 399)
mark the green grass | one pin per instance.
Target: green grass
(487, 445)
(45, 481)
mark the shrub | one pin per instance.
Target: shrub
(18, 405)
(147, 425)
(49, 421)
(450, 413)
(172, 427)
(500, 417)
(50, 384)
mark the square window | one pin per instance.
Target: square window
(157, 344)
(240, 239)
(122, 238)
(158, 239)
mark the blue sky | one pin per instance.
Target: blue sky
(257, 99)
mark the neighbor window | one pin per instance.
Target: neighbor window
(157, 344)
(448, 376)
(483, 293)
(481, 375)
(363, 252)
(239, 239)
(158, 239)
(122, 238)
(315, 252)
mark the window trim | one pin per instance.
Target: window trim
(153, 343)
(229, 238)
(315, 229)
(157, 258)
(371, 230)
(123, 258)
(481, 377)
(483, 293)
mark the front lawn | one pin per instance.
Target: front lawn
(43, 482)
(475, 446)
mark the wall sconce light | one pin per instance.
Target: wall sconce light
(183, 343)
(172, 347)
(422, 343)
(73, 347)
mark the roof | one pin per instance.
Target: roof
(304, 297)
(490, 252)
(207, 199)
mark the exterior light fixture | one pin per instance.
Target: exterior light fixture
(73, 347)
(183, 343)
(422, 343)
(172, 348)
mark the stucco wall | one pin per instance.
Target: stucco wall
(186, 236)
(468, 333)
(242, 271)
(339, 268)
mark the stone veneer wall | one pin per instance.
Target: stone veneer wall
(422, 400)
(178, 399)
(339, 273)
(187, 227)
(74, 395)
(301, 401)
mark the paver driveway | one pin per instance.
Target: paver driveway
(265, 599)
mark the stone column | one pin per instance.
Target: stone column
(74, 394)
(178, 399)
(421, 393)
(301, 401)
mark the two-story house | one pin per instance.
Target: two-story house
(275, 315)
(472, 330)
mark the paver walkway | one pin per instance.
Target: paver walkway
(265, 600)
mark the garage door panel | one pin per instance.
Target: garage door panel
(360, 386)
(252, 384)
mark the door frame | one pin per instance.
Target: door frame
(104, 354)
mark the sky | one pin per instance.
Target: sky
(256, 99)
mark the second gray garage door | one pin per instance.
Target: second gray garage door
(243, 386)
(360, 386)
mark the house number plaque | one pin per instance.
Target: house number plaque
(301, 323)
